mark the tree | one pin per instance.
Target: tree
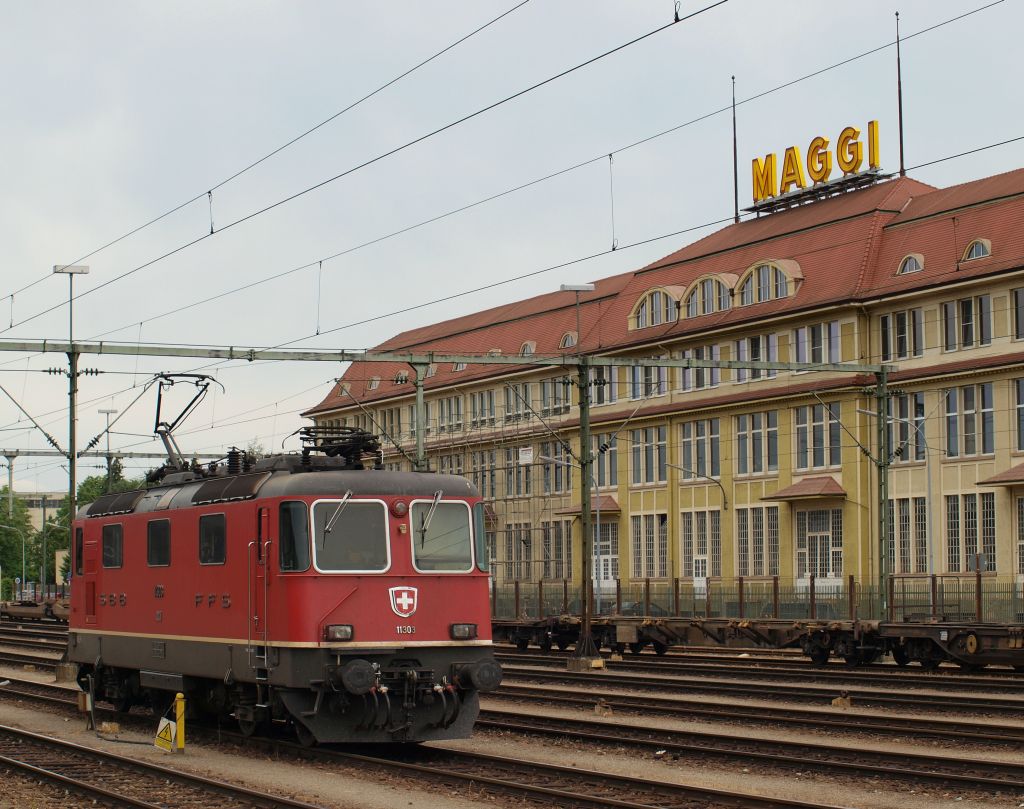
(11, 540)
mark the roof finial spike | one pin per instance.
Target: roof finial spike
(899, 94)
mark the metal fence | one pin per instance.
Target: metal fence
(908, 598)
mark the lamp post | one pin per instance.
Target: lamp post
(22, 534)
(108, 413)
(71, 270)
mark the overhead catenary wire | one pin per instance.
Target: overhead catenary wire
(366, 163)
(538, 180)
(209, 192)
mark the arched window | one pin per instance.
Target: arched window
(568, 340)
(528, 348)
(654, 308)
(979, 248)
(912, 263)
(707, 295)
(765, 282)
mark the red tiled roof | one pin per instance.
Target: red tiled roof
(848, 248)
(1014, 476)
(604, 503)
(809, 488)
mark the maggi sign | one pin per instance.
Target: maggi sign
(849, 155)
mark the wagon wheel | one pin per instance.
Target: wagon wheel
(819, 655)
(248, 727)
(636, 648)
(545, 644)
(659, 648)
(899, 655)
(123, 704)
(522, 644)
(930, 663)
(853, 660)
(563, 644)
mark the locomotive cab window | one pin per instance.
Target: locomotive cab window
(350, 536)
(441, 539)
(158, 543)
(113, 545)
(293, 530)
(212, 539)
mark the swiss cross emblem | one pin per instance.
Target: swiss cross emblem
(403, 600)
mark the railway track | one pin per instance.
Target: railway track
(494, 775)
(120, 781)
(821, 695)
(14, 659)
(909, 727)
(792, 672)
(980, 774)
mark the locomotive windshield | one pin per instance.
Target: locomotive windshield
(446, 544)
(358, 539)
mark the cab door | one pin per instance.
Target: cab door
(259, 550)
(90, 563)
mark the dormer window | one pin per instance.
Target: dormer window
(344, 389)
(568, 340)
(494, 352)
(654, 308)
(402, 377)
(374, 383)
(706, 296)
(431, 370)
(912, 263)
(979, 248)
(765, 282)
(458, 366)
(527, 349)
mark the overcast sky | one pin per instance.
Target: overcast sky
(114, 112)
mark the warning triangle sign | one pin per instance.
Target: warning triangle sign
(165, 735)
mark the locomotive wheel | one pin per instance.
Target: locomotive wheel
(248, 727)
(900, 656)
(636, 648)
(304, 735)
(659, 648)
(819, 655)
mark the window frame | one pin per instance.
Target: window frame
(470, 523)
(149, 542)
(120, 546)
(224, 537)
(314, 560)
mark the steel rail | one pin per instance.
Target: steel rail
(972, 772)
(39, 751)
(11, 658)
(848, 721)
(775, 691)
(792, 673)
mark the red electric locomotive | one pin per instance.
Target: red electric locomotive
(349, 602)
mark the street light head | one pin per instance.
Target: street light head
(108, 412)
(71, 269)
(577, 288)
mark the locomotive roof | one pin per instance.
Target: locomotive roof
(279, 483)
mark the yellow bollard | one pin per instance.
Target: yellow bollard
(179, 721)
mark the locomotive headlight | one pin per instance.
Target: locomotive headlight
(463, 631)
(338, 632)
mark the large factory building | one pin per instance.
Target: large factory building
(703, 474)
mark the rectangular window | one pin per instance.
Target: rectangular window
(481, 409)
(970, 531)
(602, 385)
(556, 467)
(518, 401)
(293, 532)
(906, 427)
(212, 539)
(555, 396)
(484, 472)
(556, 548)
(1019, 388)
(441, 539)
(757, 443)
(650, 546)
(606, 555)
(1020, 536)
(605, 460)
(517, 471)
(158, 543)
(762, 348)
(819, 342)
(113, 545)
(1018, 314)
(967, 322)
(701, 544)
(700, 378)
(902, 334)
(646, 381)
(970, 421)
(449, 414)
(757, 541)
(700, 450)
(649, 455)
(818, 436)
(518, 552)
